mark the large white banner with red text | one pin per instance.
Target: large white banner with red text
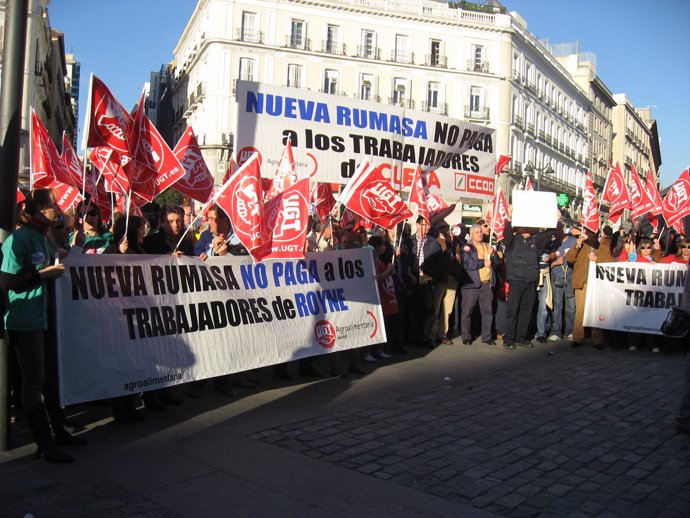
(129, 324)
(332, 134)
(633, 297)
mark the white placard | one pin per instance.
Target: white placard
(534, 209)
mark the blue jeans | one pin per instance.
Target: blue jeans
(542, 312)
(563, 296)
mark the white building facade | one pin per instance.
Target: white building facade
(483, 67)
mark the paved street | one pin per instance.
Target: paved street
(458, 431)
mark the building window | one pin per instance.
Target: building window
(432, 95)
(477, 58)
(368, 46)
(297, 38)
(294, 78)
(333, 43)
(250, 32)
(330, 81)
(401, 52)
(246, 69)
(399, 91)
(476, 98)
(435, 57)
(366, 82)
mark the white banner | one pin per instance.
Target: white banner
(633, 297)
(332, 134)
(136, 323)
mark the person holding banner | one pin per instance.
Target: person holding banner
(682, 255)
(127, 240)
(90, 234)
(29, 265)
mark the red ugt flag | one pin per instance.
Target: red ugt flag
(284, 176)
(640, 202)
(590, 211)
(502, 162)
(242, 199)
(371, 195)
(197, 182)
(500, 215)
(653, 192)
(616, 193)
(323, 200)
(677, 201)
(285, 221)
(107, 123)
(418, 194)
(158, 167)
(46, 164)
(528, 184)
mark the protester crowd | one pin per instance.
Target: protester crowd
(439, 285)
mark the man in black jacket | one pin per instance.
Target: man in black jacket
(523, 249)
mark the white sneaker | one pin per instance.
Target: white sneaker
(570, 337)
(554, 338)
(632, 348)
(368, 358)
(656, 350)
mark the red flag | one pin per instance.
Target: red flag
(653, 193)
(107, 123)
(243, 201)
(435, 204)
(103, 158)
(197, 182)
(158, 165)
(676, 203)
(500, 211)
(502, 162)
(590, 210)
(528, 184)
(323, 200)
(349, 218)
(20, 196)
(616, 193)
(285, 174)
(418, 194)
(65, 195)
(46, 164)
(371, 195)
(640, 202)
(285, 220)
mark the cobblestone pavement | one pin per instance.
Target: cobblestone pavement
(583, 433)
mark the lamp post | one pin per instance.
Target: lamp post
(530, 168)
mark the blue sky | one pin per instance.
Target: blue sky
(642, 49)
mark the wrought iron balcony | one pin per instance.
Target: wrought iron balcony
(481, 113)
(368, 52)
(297, 43)
(250, 35)
(402, 56)
(333, 47)
(434, 60)
(441, 108)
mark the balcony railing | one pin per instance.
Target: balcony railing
(518, 122)
(331, 91)
(434, 60)
(530, 128)
(441, 108)
(374, 98)
(478, 114)
(482, 66)
(297, 43)
(541, 135)
(368, 52)
(402, 56)
(406, 103)
(250, 35)
(333, 47)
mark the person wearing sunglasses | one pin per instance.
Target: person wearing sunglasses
(90, 235)
(647, 251)
(682, 255)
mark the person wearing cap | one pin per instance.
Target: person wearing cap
(562, 282)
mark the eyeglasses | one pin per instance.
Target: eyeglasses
(485, 225)
(645, 248)
(685, 246)
(92, 212)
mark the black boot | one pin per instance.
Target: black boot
(37, 418)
